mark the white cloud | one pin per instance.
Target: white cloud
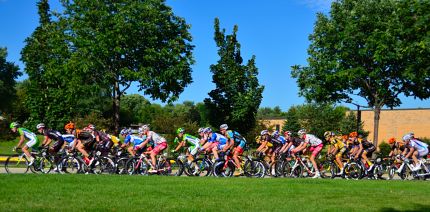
(317, 5)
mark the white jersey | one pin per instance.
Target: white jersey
(418, 145)
(313, 140)
(157, 139)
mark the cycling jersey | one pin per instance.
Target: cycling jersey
(282, 139)
(239, 140)
(337, 143)
(399, 146)
(418, 145)
(52, 134)
(155, 138)
(191, 140)
(216, 137)
(33, 141)
(69, 138)
(136, 140)
(312, 140)
(296, 141)
(103, 136)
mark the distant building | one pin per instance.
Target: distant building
(392, 123)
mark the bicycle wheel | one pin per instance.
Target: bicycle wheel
(45, 165)
(201, 167)
(103, 165)
(353, 171)
(175, 168)
(406, 173)
(254, 168)
(16, 164)
(378, 171)
(69, 165)
(297, 171)
(328, 169)
(121, 166)
(392, 171)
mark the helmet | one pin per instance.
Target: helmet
(91, 126)
(412, 134)
(13, 124)
(301, 132)
(275, 133)
(407, 137)
(353, 134)
(264, 132)
(288, 133)
(328, 133)
(223, 126)
(145, 127)
(201, 129)
(391, 140)
(207, 130)
(180, 130)
(69, 125)
(41, 125)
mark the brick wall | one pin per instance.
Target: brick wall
(396, 123)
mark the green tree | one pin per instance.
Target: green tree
(267, 112)
(374, 49)
(292, 120)
(130, 41)
(237, 95)
(8, 73)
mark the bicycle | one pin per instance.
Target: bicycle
(19, 163)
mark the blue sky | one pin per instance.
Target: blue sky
(275, 31)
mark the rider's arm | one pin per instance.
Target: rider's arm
(357, 153)
(46, 141)
(181, 144)
(21, 140)
(263, 144)
(148, 138)
(411, 151)
(301, 147)
(229, 144)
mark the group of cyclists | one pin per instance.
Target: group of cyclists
(223, 143)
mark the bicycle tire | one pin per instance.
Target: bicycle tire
(204, 167)
(15, 162)
(69, 165)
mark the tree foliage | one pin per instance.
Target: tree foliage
(318, 118)
(131, 41)
(237, 95)
(374, 49)
(8, 74)
(268, 112)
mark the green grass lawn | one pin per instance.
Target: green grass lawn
(124, 193)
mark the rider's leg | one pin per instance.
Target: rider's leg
(81, 149)
(236, 158)
(27, 153)
(130, 150)
(215, 151)
(415, 157)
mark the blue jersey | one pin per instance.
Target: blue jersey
(136, 140)
(69, 138)
(217, 138)
(236, 136)
(282, 139)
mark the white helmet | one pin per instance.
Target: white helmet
(407, 137)
(264, 132)
(301, 132)
(145, 127)
(41, 125)
(223, 126)
(201, 129)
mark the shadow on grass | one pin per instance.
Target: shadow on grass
(415, 207)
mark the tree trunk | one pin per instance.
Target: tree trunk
(116, 107)
(376, 116)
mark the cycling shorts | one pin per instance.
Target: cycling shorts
(316, 149)
(193, 150)
(33, 142)
(159, 148)
(57, 145)
(341, 152)
(242, 144)
(239, 150)
(422, 152)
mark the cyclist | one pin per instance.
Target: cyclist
(50, 135)
(104, 141)
(338, 149)
(265, 142)
(84, 141)
(316, 146)
(219, 142)
(277, 142)
(396, 147)
(69, 137)
(132, 141)
(25, 134)
(417, 149)
(193, 144)
(288, 145)
(160, 144)
(365, 150)
(238, 141)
